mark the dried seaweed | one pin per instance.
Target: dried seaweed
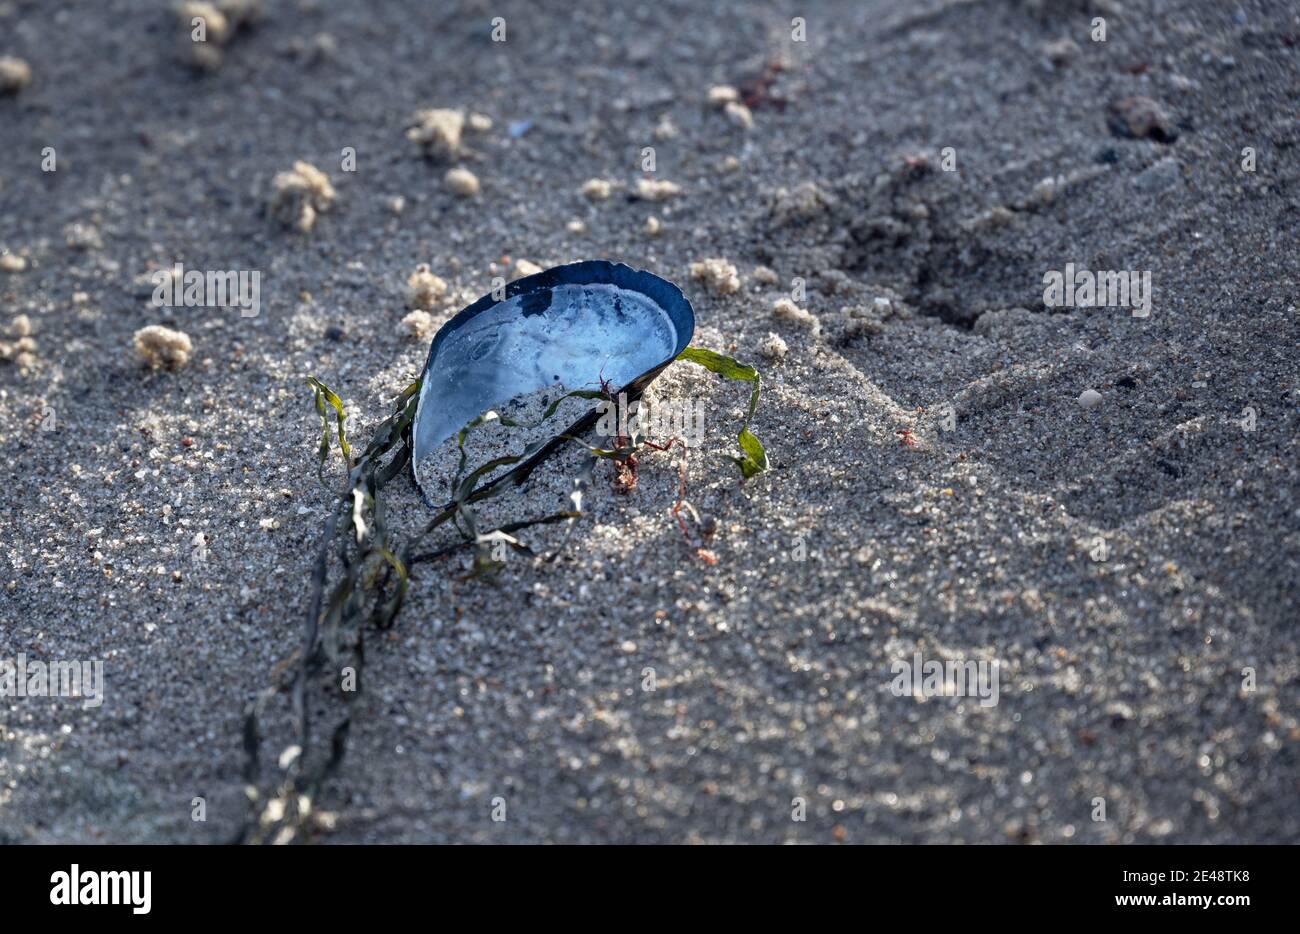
(373, 573)
(754, 458)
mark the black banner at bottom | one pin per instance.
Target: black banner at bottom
(333, 884)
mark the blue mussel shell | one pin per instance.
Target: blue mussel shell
(571, 325)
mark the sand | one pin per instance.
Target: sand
(936, 488)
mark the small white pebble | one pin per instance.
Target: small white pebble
(1045, 192)
(596, 189)
(718, 275)
(10, 262)
(773, 347)
(424, 289)
(299, 195)
(652, 226)
(765, 275)
(575, 226)
(1061, 52)
(15, 74)
(397, 205)
(20, 326)
(438, 133)
(649, 189)
(418, 323)
(739, 114)
(1090, 398)
(525, 268)
(462, 182)
(216, 28)
(786, 310)
(158, 346)
(721, 95)
(480, 123)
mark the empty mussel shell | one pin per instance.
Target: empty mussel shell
(568, 325)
